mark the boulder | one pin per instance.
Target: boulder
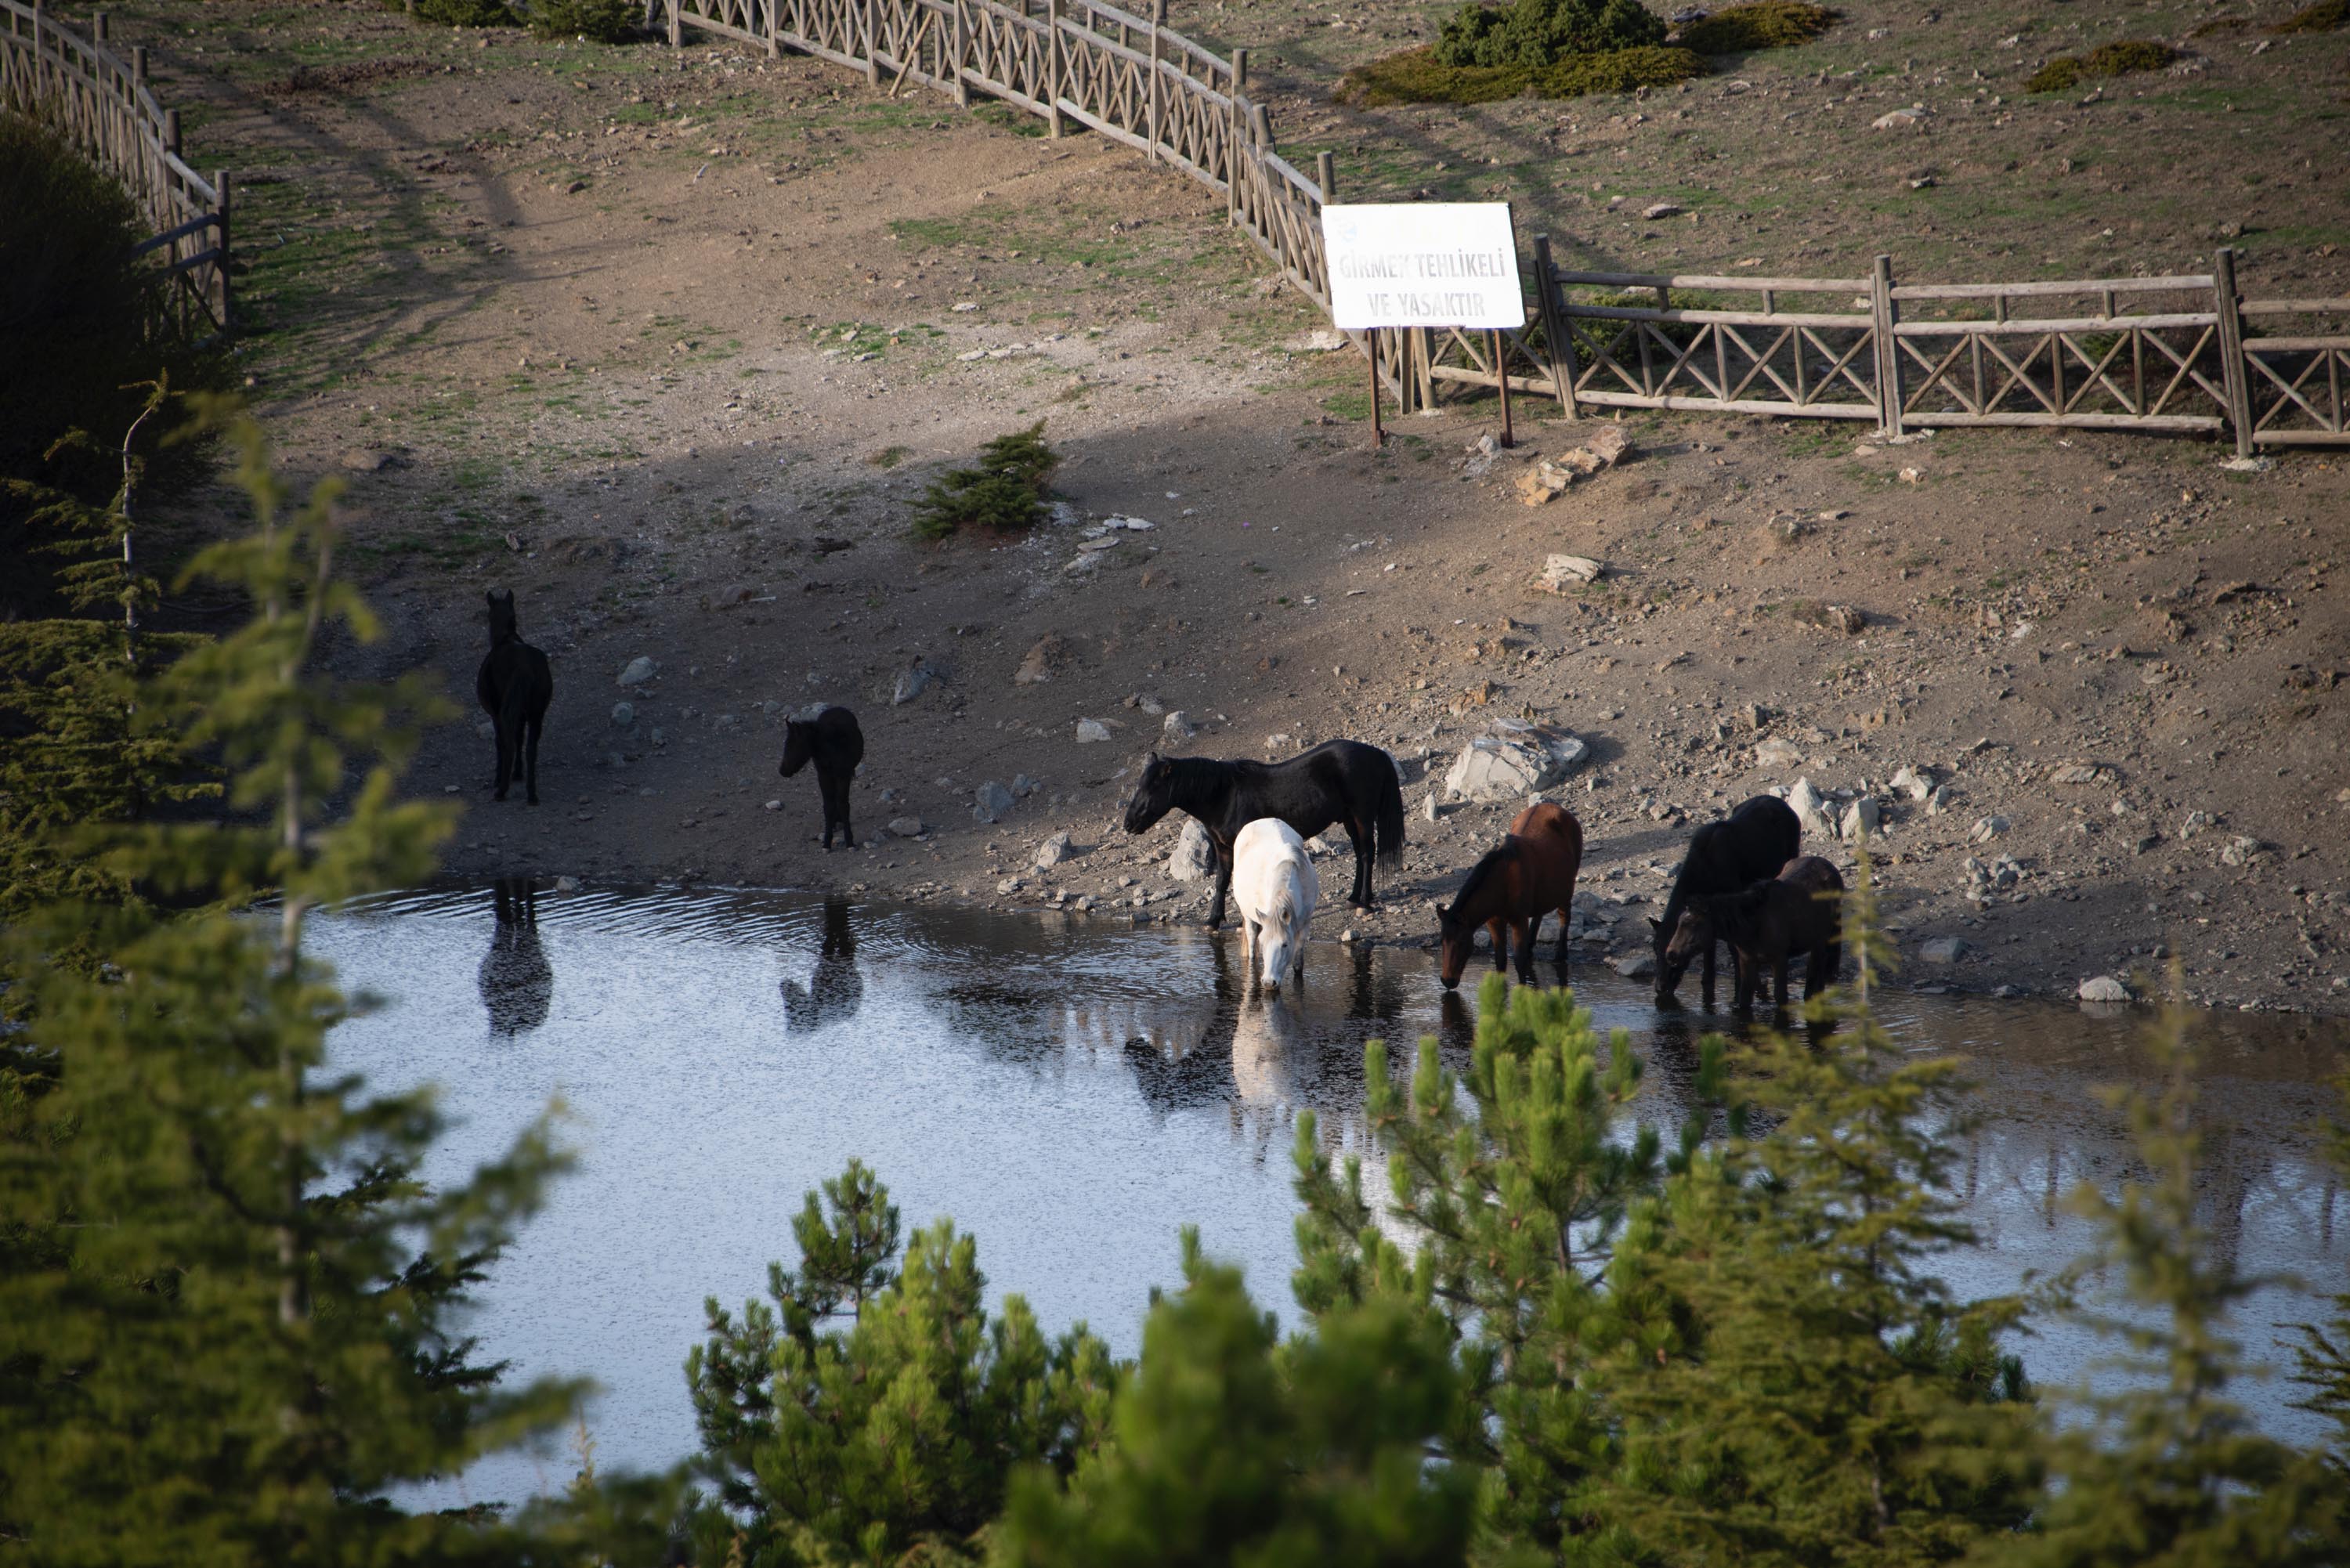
(1912, 119)
(1194, 858)
(1916, 785)
(1638, 966)
(912, 682)
(1048, 654)
(1052, 852)
(624, 714)
(906, 826)
(1090, 730)
(990, 801)
(1943, 949)
(639, 670)
(1177, 727)
(1778, 753)
(1861, 817)
(1512, 760)
(2103, 988)
(1987, 828)
(1811, 812)
(1560, 573)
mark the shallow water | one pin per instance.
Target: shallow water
(1071, 1090)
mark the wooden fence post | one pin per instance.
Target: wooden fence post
(676, 27)
(2232, 348)
(1882, 316)
(864, 13)
(774, 48)
(1326, 175)
(171, 132)
(139, 64)
(1053, 66)
(962, 44)
(97, 26)
(220, 242)
(1158, 26)
(1557, 341)
(1232, 139)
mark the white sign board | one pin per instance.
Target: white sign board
(1423, 263)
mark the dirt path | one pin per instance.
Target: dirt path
(667, 344)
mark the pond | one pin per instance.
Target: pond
(1071, 1091)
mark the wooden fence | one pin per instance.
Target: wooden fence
(102, 103)
(2163, 354)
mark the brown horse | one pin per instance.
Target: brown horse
(1524, 877)
(1798, 913)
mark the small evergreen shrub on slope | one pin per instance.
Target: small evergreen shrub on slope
(1002, 493)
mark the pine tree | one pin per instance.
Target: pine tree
(1828, 1403)
(2169, 1472)
(899, 1433)
(225, 1293)
(2323, 1358)
(1230, 1448)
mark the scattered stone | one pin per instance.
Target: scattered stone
(1429, 809)
(908, 827)
(2198, 822)
(2248, 464)
(1513, 759)
(364, 462)
(2083, 772)
(1483, 455)
(1052, 852)
(2240, 850)
(1844, 619)
(1009, 885)
(1051, 652)
(912, 682)
(567, 884)
(1022, 786)
(1090, 730)
(1194, 858)
(1176, 726)
(1561, 571)
(990, 801)
(1656, 209)
(1862, 817)
(1812, 813)
(1638, 966)
(1987, 828)
(1912, 476)
(1778, 752)
(1916, 785)
(1940, 801)
(1943, 949)
(639, 670)
(624, 714)
(773, 805)
(1911, 118)
(2103, 988)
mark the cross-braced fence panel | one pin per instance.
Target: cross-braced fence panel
(2297, 380)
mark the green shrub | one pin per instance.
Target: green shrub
(1536, 34)
(2324, 17)
(604, 21)
(2119, 58)
(1416, 76)
(1002, 493)
(1761, 24)
(464, 13)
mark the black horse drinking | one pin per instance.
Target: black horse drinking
(1343, 781)
(1752, 842)
(833, 742)
(515, 686)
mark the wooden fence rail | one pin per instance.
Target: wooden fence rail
(103, 105)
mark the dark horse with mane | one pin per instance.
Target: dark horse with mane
(1344, 782)
(1723, 857)
(1518, 883)
(1799, 913)
(832, 741)
(515, 686)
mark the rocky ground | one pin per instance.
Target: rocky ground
(668, 343)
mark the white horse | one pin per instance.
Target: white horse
(1276, 889)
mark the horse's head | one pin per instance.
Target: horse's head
(1154, 794)
(1457, 943)
(1690, 936)
(502, 617)
(1277, 947)
(1670, 969)
(799, 745)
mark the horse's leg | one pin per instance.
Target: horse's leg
(840, 809)
(1708, 970)
(1565, 924)
(1223, 886)
(1501, 934)
(505, 744)
(530, 760)
(1779, 985)
(1523, 933)
(1360, 836)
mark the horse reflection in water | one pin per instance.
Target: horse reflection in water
(835, 989)
(516, 981)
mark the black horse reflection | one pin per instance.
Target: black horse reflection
(835, 989)
(517, 982)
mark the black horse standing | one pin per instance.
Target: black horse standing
(515, 686)
(1751, 844)
(833, 742)
(1345, 781)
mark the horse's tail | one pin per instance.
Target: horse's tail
(1387, 827)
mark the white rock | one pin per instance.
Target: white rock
(990, 801)
(639, 670)
(2103, 988)
(1429, 809)
(1987, 828)
(773, 805)
(906, 826)
(1177, 726)
(1009, 885)
(1052, 852)
(1090, 730)
(1512, 760)
(1195, 855)
(1640, 966)
(2240, 850)
(1939, 800)
(912, 682)
(1899, 119)
(1862, 816)
(1812, 813)
(1918, 786)
(1943, 949)
(567, 884)
(1778, 752)
(1560, 570)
